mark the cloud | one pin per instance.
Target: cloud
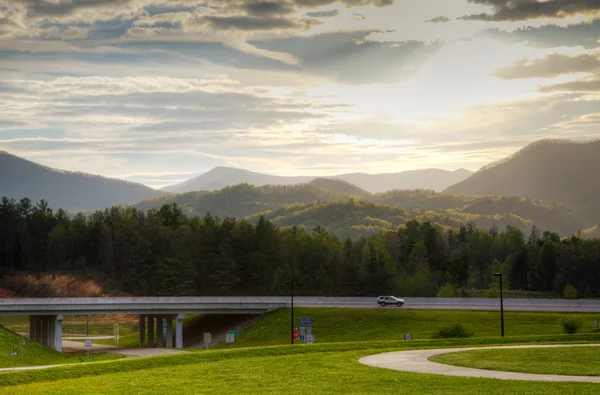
(350, 58)
(323, 14)
(581, 86)
(439, 19)
(520, 10)
(585, 34)
(247, 23)
(550, 66)
(8, 27)
(358, 17)
(269, 8)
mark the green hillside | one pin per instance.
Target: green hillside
(347, 210)
(559, 171)
(336, 185)
(243, 200)
(354, 218)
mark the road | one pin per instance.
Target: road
(550, 305)
(417, 361)
(76, 346)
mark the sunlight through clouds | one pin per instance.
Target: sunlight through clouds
(338, 86)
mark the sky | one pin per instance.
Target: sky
(157, 91)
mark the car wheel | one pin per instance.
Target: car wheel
(399, 304)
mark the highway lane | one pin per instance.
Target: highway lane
(480, 304)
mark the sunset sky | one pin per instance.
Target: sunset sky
(158, 91)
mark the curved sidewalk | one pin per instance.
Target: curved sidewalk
(417, 361)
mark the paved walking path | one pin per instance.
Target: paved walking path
(132, 352)
(417, 361)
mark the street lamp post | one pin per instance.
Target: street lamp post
(501, 303)
(291, 282)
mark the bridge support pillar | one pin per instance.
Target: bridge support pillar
(52, 332)
(45, 324)
(58, 332)
(142, 330)
(159, 332)
(38, 330)
(179, 331)
(32, 322)
(169, 343)
(151, 331)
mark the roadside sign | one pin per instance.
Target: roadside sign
(229, 337)
(13, 353)
(165, 329)
(207, 339)
(310, 338)
(296, 334)
(595, 324)
(408, 336)
(234, 332)
(87, 344)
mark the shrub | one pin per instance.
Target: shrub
(493, 292)
(570, 325)
(451, 332)
(447, 291)
(570, 292)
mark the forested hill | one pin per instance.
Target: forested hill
(21, 178)
(558, 171)
(355, 219)
(164, 252)
(341, 186)
(221, 177)
(305, 204)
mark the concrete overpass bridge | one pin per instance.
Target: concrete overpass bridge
(46, 314)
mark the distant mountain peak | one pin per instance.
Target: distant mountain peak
(69, 190)
(559, 171)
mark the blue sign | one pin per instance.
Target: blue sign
(301, 337)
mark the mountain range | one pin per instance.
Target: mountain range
(221, 177)
(74, 191)
(550, 183)
(558, 171)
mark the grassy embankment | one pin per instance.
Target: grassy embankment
(316, 369)
(350, 325)
(576, 361)
(33, 354)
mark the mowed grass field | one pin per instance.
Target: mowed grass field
(300, 369)
(350, 325)
(575, 361)
(33, 354)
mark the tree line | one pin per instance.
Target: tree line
(164, 252)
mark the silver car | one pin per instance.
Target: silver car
(387, 300)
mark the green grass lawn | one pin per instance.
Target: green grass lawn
(348, 325)
(33, 354)
(576, 361)
(301, 369)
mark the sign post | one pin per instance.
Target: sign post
(116, 337)
(306, 333)
(207, 339)
(230, 336)
(408, 336)
(13, 354)
(88, 346)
